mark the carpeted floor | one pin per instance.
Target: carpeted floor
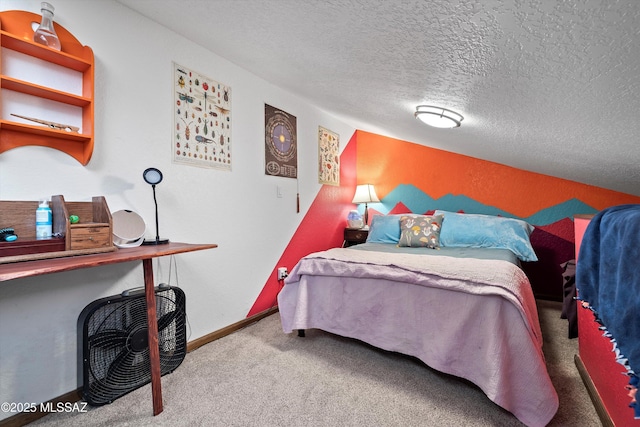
(260, 376)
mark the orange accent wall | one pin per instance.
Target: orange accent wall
(387, 162)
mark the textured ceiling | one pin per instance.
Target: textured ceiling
(544, 85)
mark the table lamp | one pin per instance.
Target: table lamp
(365, 193)
(153, 176)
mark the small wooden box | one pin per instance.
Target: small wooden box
(30, 247)
(21, 216)
(94, 230)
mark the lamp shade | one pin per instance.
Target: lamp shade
(365, 193)
(152, 176)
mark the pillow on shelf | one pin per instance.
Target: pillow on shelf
(420, 231)
(487, 231)
(384, 229)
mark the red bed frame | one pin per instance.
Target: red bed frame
(604, 378)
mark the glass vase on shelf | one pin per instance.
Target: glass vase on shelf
(45, 34)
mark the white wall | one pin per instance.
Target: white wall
(238, 210)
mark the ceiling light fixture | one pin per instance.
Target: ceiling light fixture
(438, 117)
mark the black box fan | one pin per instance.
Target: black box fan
(113, 342)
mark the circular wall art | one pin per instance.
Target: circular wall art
(280, 143)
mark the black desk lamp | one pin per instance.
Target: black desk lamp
(153, 176)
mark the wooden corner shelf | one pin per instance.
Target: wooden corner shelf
(16, 34)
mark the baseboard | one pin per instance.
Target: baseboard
(605, 419)
(25, 418)
(192, 345)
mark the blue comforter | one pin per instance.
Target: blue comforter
(608, 276)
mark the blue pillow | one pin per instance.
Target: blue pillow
(384, 229)
(487, 231)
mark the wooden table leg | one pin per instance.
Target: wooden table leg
(152, 327)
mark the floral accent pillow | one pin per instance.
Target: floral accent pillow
(420, 231)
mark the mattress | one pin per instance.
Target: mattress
(464, 311)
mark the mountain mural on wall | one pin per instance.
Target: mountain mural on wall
(418, 201)
(552, 239)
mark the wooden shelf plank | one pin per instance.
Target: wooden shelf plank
(47, 54)
(17, 85)
(13, 135)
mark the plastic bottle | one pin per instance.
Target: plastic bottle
(46, 34)
(44, 221)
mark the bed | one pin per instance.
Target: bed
(608, 282)
(446, 288)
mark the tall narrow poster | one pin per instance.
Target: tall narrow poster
(281, 144)
(328, 157)
(202, 120)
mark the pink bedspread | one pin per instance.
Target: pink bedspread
(472, 318)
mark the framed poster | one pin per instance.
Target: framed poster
(280, 142)
(202, 120)
(328, 157)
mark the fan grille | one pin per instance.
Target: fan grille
(115, 343)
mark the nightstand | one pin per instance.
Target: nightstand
(354, 236)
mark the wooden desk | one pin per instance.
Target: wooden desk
(145, 254)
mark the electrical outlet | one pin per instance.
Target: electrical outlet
(282, 273)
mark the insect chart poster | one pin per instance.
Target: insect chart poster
(202, 120)
(328, 157)
(280, 140)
